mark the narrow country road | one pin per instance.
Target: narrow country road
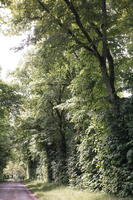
(15, 191)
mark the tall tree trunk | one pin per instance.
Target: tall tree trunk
(31, 168)
(107, 63)
(63, 149)
(49, 163)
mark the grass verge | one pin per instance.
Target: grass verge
(46, 191)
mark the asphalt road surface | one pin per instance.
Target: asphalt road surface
(15, 191)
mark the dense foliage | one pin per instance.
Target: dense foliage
(9, 101)
(75, 124)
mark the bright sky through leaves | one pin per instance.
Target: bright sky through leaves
(9, 59)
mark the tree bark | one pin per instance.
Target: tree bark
(49, 164)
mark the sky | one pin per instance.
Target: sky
(9, 59)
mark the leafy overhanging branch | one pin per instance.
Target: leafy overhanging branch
(81, 27)
(107, 77)
(67, 30)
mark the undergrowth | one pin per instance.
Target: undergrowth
(50, 191)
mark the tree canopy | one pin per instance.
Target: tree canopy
(74, 124)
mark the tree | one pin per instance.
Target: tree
(40, 119)
(92, 39)
(9, 102)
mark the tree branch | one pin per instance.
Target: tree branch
(104, 31)
(43, 6)
(109, 57)
(80, 25)
(111, 69)
(96, 29)
(68, 31)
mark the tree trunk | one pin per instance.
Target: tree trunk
(49, 163)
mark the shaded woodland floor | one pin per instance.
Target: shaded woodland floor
(46, 191)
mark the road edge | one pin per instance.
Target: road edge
(29, 191)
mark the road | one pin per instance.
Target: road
(15, 191)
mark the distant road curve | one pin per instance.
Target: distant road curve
(15, 191)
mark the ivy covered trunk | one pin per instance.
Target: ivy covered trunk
(118, 155)
(62, 152)
(76, 76)
(49, 159)
(31, 168)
